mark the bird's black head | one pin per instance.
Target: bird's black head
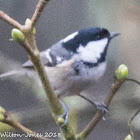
(83, 37)
(93, 34)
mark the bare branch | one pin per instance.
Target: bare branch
(10, 20)
(52, 99)
(29, 44)
(39, 8)
(133, 80)
(33, 135)
(136, 113)
(98, 115)
(131, 120)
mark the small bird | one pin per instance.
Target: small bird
(73, 62)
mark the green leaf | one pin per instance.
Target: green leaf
(17, 35)
(28, 22)
(128, 137)
(1, 117)
(2, 110)
(121, 72)
(60, 121)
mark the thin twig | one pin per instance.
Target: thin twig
(39, 8)
(133, 80)
(114, 88)
(131, 120)
(137, 112)
(53, 101)
(8, 120)
(98, 115)
(10, 20)
(30, 46)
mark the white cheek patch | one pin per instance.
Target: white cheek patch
(92, 51)
(70, 37)
(48, 55)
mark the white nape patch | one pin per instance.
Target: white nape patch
(48, 55)
(92, 51)
(58, 59)
(71, 36)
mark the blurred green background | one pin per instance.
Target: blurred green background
(59, 19)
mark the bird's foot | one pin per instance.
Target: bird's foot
(65, 115)
(103, 108)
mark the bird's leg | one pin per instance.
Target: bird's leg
(101, 106)
(65, 115)
(85, 98)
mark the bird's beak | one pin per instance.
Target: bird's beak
(113, 34)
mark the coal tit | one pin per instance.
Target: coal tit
(75, 61)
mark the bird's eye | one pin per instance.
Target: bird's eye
(98, 37)
(105, 32)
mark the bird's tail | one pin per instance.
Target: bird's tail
(7, 74)
(10, 73)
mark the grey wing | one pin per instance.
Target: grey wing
(52, 56)
(45, 59)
